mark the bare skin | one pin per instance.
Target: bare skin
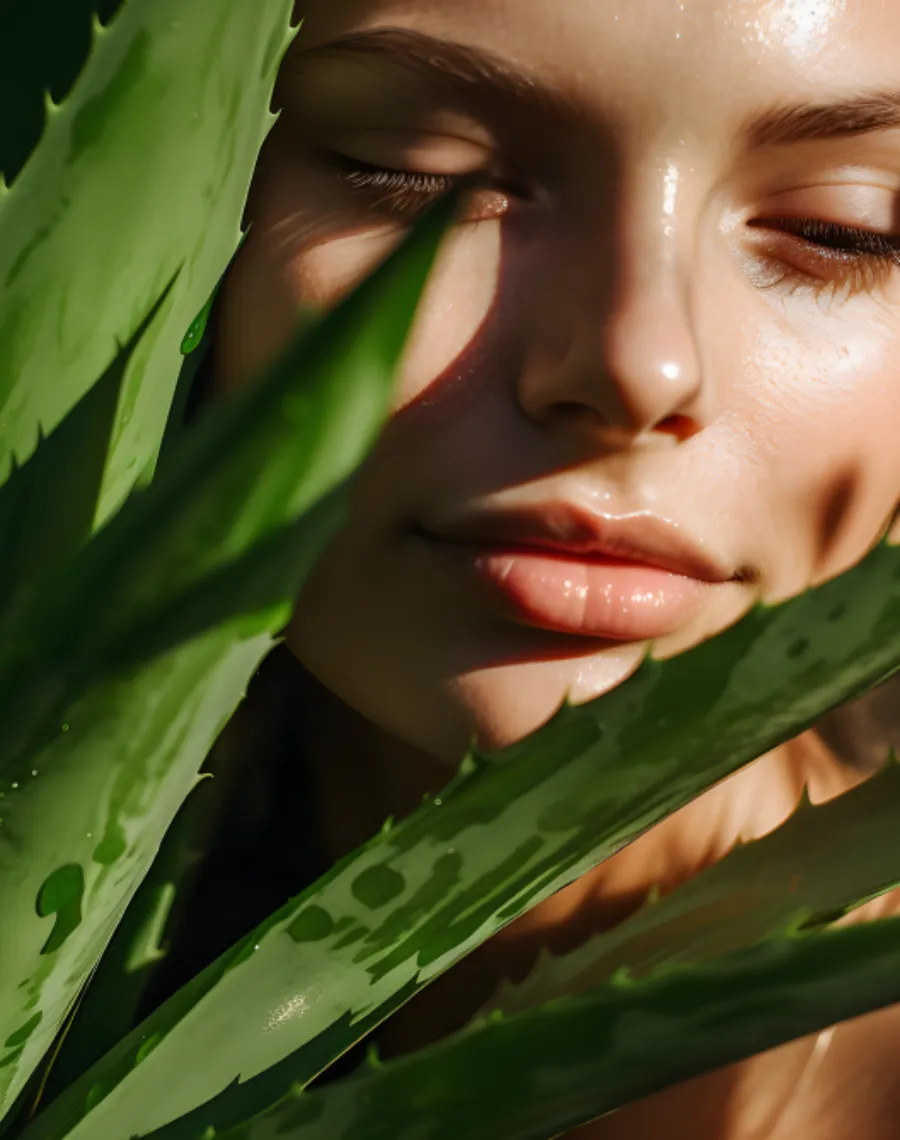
(659, 306)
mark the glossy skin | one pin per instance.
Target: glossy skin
(644, 312)
(668, 369)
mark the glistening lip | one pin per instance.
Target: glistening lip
(626, 578)
(570, 530)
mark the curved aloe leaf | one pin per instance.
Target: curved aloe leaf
(82, 825)
(225, 529)
(108, 1008)
(400, 911)
(142, 172)
(102, 742)
(822, 861)
(33, 62)
(538, 1074)
(48, 507)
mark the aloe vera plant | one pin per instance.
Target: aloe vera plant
(139, 598)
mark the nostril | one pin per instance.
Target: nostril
(681, 427)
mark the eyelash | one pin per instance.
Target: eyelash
(398, 191)
(860, 260)
(865, 258)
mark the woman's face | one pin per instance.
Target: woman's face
(656, 373)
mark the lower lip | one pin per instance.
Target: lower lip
(606, 598)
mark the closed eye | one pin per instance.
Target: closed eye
(839, 238)
(387, 182)
(403, 193)
(807, 252)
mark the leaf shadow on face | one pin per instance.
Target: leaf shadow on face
(861, 733)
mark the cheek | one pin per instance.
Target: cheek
(823, 412)
(457, 300)
(457, 303)
(309, 258)
(270, 287)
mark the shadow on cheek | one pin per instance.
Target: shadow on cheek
(836, 513)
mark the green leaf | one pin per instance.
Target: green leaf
(102, 742)
(108, 1009)
(80, 828)
(142, 172)
(225, 529)
(823, 861)
(538, 1074)
(43, 46)
(332, 964)
(48, 507)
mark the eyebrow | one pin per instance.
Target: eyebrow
(482, 74)
(857, 115)
(461, 69)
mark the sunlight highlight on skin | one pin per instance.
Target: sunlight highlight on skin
(801, 25)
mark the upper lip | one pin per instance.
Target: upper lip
(582, 533)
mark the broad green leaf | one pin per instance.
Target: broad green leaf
(510, 831)
(141, 173)
(538, 1074)
(225, 528)
(107, 1010)
(80, 828)
(102, 741)
(48, 507)
(823, 861)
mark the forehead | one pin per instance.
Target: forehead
(686, 54)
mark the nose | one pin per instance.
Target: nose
(625, 366)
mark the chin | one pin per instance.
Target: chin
(492, 707)
(506, 703)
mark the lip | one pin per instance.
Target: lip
(568, 529)
(558, 566)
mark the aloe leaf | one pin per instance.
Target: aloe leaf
(195, 348)
(141, 172)
(49, 506)
(107, 1010)
(101, 744)
(33, 63)
(538, 1074)
(81, 826)
(822, 861)
(510, 831)
(225, 529)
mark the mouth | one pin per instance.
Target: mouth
(557, 567)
